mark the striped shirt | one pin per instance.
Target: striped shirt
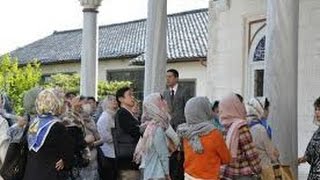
(247, 162)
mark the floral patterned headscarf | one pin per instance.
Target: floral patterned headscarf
(48, 106)
(48, 102)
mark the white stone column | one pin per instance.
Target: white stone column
(281, 76)
(156, 47)
(218, 66)
(89, 51)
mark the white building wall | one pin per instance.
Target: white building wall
(227, 55)
(192, 70)
(227, 46)
(309, 70)
(187, 71)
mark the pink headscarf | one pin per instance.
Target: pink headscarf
(155, 114)
(233, 115)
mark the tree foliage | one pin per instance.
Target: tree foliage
(67, 82)
(15, 80)
(71, 83)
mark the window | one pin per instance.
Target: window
(45, 78)
(259, 52)
(258, 82)
(190, 84)
(256, 68)
(136, 76)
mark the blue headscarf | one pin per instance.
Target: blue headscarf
(48, 105)
(39, 130)
(255, 109)
(216, 122)
(264, 123)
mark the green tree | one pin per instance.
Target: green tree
(15, 80)
(71, 83)
(67, 82)
(106, 88)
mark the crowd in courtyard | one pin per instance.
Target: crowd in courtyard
(171, 135)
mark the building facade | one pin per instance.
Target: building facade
(236, 56)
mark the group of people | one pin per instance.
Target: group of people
(173, 137)
(183, 137)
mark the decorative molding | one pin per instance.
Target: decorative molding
(90, 4)
(251, 23)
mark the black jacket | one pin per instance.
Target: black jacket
(41, 164)
(128, 136)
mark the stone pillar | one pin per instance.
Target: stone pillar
(156, 47)
(218, 67)
(281, 76)
(89, 51)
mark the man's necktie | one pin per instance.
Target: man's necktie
(172, 96)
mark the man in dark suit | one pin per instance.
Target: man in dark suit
(176, 96)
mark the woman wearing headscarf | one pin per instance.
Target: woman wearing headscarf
(257, 114)
(76, 130)
(204, 147)
(153, 149)
(6, 110)
(4, 140)
(312, 153)
(50, 148)
(92, 139)
(216, 118)
(16, 130)
(105, 123)
(245, 163)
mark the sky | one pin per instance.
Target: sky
(25, 21)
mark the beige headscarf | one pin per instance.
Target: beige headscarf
(255, 109)
(233, 116)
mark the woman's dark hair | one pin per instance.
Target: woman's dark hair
(316, 103)
(240, 97)
(266, 104)
(174, 72)
(120, 93)
(215, 105)
(82, 98)
(91, 98)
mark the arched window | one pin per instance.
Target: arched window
(259, 52)
(259, 55)
(256, 67)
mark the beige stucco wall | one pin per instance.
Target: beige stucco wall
(187, 70)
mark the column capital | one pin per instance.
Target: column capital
(90, 4)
